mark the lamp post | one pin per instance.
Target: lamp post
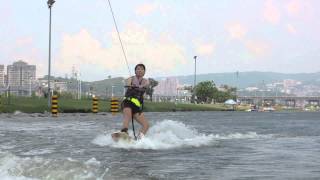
(80, 88)
(195, 78)
(50, 3)
(237, 85)
(195, 71)
(79, 85)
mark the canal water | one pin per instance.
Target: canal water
(179, 145)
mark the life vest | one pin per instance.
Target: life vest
(135, 95)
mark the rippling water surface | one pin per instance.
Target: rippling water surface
(180, 145)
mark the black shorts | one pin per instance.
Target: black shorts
(135, 109)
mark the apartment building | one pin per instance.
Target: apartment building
(2, 76)
(20, 77)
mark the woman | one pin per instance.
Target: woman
(132, 105)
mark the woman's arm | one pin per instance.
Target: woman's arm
(144, 84)
(129, 81)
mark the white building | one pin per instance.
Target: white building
(21, 77)
(2, 84)
(251, 89)
(167, 87)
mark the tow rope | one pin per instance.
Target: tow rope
(125, 57)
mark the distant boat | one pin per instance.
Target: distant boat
(268, 109)
(253, 108)
(230, 102)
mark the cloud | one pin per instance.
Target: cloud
(32, 56)
(258, 48)
(236, 30)
(204, 49)
(5, 11)
(24, 49)
(146, 9)
(25, 41)
(161, 54)
(293, 7)
(271, 13)
(291, 29)
(82, 49)
(300, 8)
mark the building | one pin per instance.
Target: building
(167, 87)
(21, 77)
(60, 86)
(2, 76)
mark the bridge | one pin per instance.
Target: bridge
(291, 101)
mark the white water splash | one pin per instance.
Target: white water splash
(163, 135)
(9, 166)
(33, 168)
(248, 135)
(170, 134)
(17, 113)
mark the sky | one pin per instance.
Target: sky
(226, 36)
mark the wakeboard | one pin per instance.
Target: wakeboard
(121, 136)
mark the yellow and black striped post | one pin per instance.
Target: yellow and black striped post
(54, 106)
(114, 105)
(95, 108)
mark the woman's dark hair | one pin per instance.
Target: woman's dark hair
(141, 65)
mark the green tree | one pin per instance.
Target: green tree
(220, 96)
(205, 91)
(150, 89)
(189, 88)
(228, 92)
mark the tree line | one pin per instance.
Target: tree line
(207, 92)
(203, 92)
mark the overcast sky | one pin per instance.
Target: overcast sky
(165, 35)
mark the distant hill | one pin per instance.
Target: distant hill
(246, 79)
(100, 88)
(104, 87)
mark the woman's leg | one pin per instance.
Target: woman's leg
(143, 121)
(127, 115)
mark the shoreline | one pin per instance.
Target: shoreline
(40, 105)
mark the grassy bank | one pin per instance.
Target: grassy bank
(40, 105)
